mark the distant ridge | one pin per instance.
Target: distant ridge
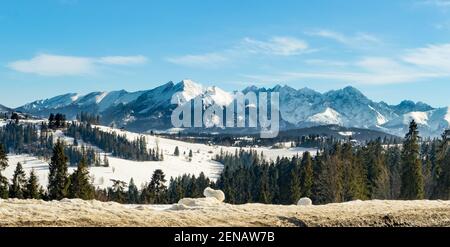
(300, 108)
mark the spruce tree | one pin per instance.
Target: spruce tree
(105, 161)
(176, 152)
(18, 183)
(80, 185)
(3, 180)
(295, 190)
(412, 186)
(58, 181)
(263, 185)
(377, 170)
(157, 188)
(33, 190)
(442, 177)
(132, 193)
(306, 175)
(117, 191)
(3, 158)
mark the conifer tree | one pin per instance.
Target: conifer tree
(58, 181)
(157, 188)
(295, 190)
(132, 193)
(117, 192)
(264, 185)
(176, 152)
(33, 190)
(80, 185)
(412, 186)
(306, 175)
(105, 161)
(442, 188)
(18, 183)
(394, 161)
(377, 170)
(3, 158)
(3, 180)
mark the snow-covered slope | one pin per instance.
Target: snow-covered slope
(431, 123)
(141, 172)
(52, 103)
(72, 104)
(348, 107)
(4, 109)
(328, 117)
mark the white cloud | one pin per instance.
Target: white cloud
(200, 60)
(431, 57)
(324, 62)
(54, 65)
(280, 46)
(356, 39)
(438, 3)
(348, 77)
(57, 65)
(123, 60)
(275, 46)
(367, 70)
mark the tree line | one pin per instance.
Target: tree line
(79, 184)
(341, 172)
(37, 140)
(118, 145)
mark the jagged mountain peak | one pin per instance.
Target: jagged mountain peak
(347, 92)
(189, 84)
(409, 106)
(251, 88)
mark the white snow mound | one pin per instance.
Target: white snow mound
(218, 194)
(305, 201)
(189, 203)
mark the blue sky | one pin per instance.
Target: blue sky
(390, 50)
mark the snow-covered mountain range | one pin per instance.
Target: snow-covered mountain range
(151, 109)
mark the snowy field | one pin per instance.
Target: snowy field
(120, 169)
(141, 172)
(76, 212)
(205, 151)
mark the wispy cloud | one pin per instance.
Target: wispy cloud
(275, 46)
(57, 65)
(325, 62)
(201, 60)
(411, 66)
(347, 77)
(356, 39)
(437, 3)
(279, 46)
(123, 60)
(431, 57)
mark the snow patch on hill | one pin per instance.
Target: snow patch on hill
(419, 117)
(329, 116)
(141, 172)
(447, 116)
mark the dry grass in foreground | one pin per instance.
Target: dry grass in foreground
(375, 213)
